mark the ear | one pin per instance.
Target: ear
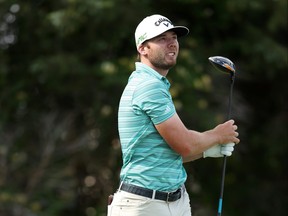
(142, 49)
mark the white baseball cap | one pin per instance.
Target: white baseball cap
(155, 25)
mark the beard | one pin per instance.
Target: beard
(158, 60)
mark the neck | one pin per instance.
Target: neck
(161, 71)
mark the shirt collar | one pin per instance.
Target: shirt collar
(149, 70)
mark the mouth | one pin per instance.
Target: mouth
(172, 54)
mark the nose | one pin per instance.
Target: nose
(172, 42)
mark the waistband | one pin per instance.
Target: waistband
(153, 194)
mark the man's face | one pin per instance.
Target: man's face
(162, 51)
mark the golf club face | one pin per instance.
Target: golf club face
(223, 64)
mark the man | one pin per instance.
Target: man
(155, 143)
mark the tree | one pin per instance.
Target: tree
(64, 65)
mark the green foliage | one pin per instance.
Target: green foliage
(64, 64)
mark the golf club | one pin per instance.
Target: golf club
(227, 66)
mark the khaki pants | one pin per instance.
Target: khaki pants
(128, 204)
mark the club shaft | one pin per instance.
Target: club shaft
(220, 204)
(230, 97)
(222, 186)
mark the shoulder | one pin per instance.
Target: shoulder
(151, 87)
(145, 82)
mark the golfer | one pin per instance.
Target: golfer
(154, 141)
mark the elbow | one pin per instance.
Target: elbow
(187, 152)
(184, 150)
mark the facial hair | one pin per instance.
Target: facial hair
(158, 61)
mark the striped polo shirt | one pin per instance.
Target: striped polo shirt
(148, 161)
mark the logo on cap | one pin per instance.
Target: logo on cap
(167, 22)
(142, 38)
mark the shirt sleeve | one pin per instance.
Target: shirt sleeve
(153, 99)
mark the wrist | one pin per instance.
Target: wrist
(212, 137)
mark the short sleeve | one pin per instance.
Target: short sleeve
(153, 98)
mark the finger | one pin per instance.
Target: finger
(231, 121)
(225, 145)
(227, 148)
(236, 140)
(230, 145)
(227, 153)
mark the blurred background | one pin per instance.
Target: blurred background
(64, 65)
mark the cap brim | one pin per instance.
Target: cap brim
(180, 30)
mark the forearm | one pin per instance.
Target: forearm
(192, 158)
(191, 144)
(187, 143)
(198, 142)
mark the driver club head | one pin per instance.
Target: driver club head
(223, 64)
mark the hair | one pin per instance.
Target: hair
(138, 58)
(138, 54)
